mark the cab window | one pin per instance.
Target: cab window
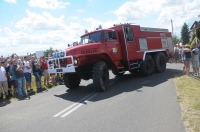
(128, 33)
(111, 35)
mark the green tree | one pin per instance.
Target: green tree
(48, 51)
(185, 36)
(176, 39)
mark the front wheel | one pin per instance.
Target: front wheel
(71, 80)
(100, 76)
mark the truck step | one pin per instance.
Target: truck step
(134, 65)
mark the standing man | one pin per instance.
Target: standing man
(18, 69)
(36, 70)
(3, 81)
(27, 73)
(195, 55)
(44, 67)
(176, 53)
(13, 77)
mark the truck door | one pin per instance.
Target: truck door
(130, 44)
(113, 46)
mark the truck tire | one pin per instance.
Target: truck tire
(160, 62)
(71, 81)
(100, 76)
(147, 66)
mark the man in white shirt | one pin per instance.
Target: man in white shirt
(195, 55)
(27, 73)
(3, 81)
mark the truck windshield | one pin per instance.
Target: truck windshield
(92, 38)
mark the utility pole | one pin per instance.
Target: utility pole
(172, 27)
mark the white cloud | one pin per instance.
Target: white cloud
(43, 21)
(133, 10)
(186, 11)
(22, 42)
(179, 10)
(40, 31)
(48, 4)
(11, 1)
(80, 11)
(93, 23)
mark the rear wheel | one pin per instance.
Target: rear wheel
(160, 62)
(147, 66)
(100, 76)
(71, 80)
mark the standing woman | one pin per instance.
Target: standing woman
(187, 56)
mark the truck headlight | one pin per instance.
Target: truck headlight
(62, 54)
(75, 61)
(58, 54)
(53, 55)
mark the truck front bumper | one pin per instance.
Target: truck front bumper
(69, 69)
(55, 66)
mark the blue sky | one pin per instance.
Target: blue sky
(27, 26)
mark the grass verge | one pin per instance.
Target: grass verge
(188, 94)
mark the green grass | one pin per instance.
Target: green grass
(188, 95)
(33, 84)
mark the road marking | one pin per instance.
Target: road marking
(71, 106)
(75, 108)
(81, 102)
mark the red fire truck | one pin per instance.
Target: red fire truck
(123, 47)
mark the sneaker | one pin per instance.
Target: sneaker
(38, 90)
(20, 97)
(1, 96)
(8, 97)
(42, 89)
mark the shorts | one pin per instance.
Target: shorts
(187, 59)
(28, 77)
(3, 85)
(195, 63)
(45, 73)
(37, 77)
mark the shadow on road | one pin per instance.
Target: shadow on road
(4, 102)
(125, 83)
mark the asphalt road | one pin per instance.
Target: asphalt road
(131, 104)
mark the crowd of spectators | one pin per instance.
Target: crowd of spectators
(188, 55)
(16, 76)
